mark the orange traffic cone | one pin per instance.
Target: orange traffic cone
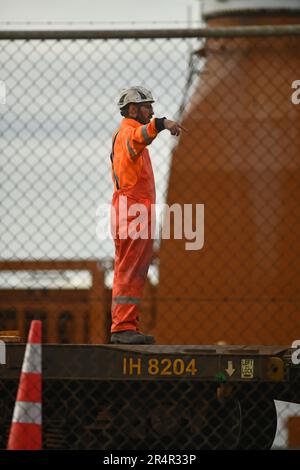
(26, 427)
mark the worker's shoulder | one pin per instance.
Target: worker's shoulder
(129, 124)
(124, 131)
(120, 136)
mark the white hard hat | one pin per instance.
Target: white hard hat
(135, 94)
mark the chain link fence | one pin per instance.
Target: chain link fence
(233, 91)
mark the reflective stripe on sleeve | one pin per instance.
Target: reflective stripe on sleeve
(146, 136)
(123, 299)
(130, 149)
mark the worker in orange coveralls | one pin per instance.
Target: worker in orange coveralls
(134, 188)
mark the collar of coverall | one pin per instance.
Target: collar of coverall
(131, 122)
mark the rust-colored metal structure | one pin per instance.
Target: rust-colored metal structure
(241, 159)
(73, 315)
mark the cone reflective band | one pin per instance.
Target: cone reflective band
(26, 427)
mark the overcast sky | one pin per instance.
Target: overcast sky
(76, 128)
(99, 10)
(61, 112)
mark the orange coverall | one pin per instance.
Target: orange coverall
(133, 177)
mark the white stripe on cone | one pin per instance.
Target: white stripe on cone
(27, 412)
(33, 359)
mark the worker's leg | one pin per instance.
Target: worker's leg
(132, 260)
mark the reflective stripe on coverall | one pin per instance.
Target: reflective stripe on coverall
(132, 166)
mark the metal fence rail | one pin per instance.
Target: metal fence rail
(182, 33)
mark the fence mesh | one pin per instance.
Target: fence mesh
(239, 158)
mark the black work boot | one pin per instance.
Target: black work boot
(131, 337)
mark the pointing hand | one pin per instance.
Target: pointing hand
(173, 127)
